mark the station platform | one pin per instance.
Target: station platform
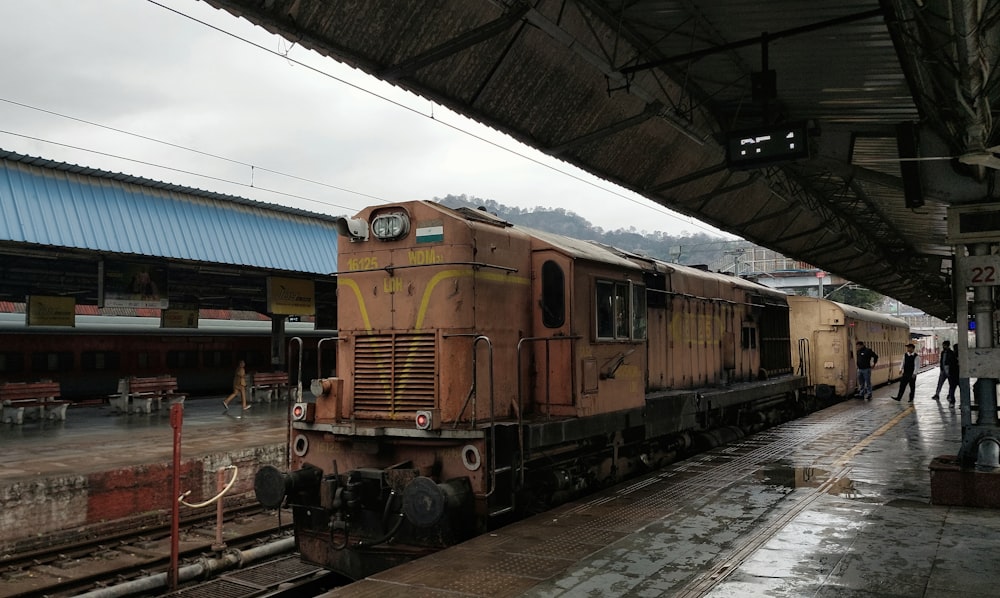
(836, 504)
(63, 479)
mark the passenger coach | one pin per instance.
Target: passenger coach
(826, 333)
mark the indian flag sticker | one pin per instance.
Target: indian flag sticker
(430, 234)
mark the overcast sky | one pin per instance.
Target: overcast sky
(261, 122)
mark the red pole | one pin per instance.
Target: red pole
(220, 484)
(176, 419)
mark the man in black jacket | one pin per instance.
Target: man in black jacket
(952, 377)
(944, 364)
(908, 369)
(865, 359)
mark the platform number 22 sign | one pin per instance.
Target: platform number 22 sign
(984, 275)
(980, 271)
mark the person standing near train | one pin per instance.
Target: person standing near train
(908, 371)
(952, 376)
(865, 359)
(944, 364)
(239, 386)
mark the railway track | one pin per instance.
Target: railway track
(284, 577)
(79, 566)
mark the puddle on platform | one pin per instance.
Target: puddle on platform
(806, 477)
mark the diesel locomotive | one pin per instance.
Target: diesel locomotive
(486, 371)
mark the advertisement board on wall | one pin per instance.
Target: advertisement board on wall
(127, 284)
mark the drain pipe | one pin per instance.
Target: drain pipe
(201, 568)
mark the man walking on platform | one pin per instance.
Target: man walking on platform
(952, 377)
(944, 364)
(865, 359)
(239, 386)
(908, 369)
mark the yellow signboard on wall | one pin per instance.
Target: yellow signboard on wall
(50, 311)
(179, 318)
(291, 296)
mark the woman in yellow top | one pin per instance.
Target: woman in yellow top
(239, 386)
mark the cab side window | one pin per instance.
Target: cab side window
(620, 310)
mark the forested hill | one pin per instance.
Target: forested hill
(698, 248)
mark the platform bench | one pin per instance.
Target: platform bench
(271, 384)
(145, 395)
(36, 398)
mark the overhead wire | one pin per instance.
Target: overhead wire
(190, 172)
(285, 55)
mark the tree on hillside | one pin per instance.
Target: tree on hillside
(694, 249)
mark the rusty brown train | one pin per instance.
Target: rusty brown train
(487, 371)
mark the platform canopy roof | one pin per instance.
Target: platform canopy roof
(59, 221)
(646, 93)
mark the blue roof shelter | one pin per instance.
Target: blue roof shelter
(58, 221)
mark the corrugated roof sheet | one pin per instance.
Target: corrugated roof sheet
(55, 204)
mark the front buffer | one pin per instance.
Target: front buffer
(369, 520)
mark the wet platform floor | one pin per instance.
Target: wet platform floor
(99, 472)
(833, 505)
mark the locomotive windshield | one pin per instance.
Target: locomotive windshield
(621, 310)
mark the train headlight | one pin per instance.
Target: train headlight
(424, 420)
(355, 229)
(391, 226)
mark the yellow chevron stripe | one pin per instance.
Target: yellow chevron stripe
(429, 290)
(353, 285)
(448, 274)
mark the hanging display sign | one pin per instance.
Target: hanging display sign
(50, 311)
(290, 296)
(125, 284)
(179, 316)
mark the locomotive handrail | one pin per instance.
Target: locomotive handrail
(319, 354)
(473, 395)
(390, 268)
(520, 391)
(805, 359)
(474, 389)
(298, 398)
(298, 377)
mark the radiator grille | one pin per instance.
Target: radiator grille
(394, 372)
